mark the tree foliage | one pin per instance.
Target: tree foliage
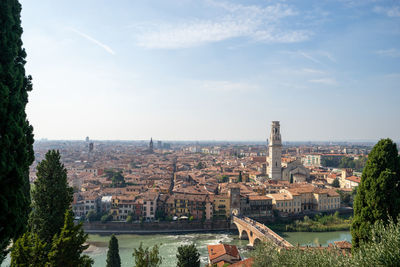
(223, 179)
(92, 216)
(356, 164)
(347, 162)
(113, 258)
(330, 161)
(382, 249)
(145, 257)
(320, 223)
(200, 165)
(116, 177)
(378, 195)
(51, 197)
(16, 138)
(336, 183)
(188, 256)
(68, 245)
(29, 251)
(240, 179)
(106, 218)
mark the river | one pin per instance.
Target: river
(170, 243)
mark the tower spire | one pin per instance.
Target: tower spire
(151, 145)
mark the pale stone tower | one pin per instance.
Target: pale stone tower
(275, 152)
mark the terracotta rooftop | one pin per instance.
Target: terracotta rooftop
(251, 197)
(244, 263)
(215, 251)
(343, 244)
(281, 196)
(354, 179)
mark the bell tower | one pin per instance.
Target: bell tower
(275, 152)
(151, 145)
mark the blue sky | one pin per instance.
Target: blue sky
(213, 70)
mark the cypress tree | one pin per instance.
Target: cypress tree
(188, 256)
(113, 259)
(16, 138)
(378, 195)
(51, 197)
(28, 250)
(68, 245)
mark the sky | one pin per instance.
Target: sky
(213, 70)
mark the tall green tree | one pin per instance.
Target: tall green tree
(145, 257)
(336, 183)
(378, 195)
(51, 197)
(113, 259)
(188, 256)
(28, 251)
(118, 180)
(16, 138)
(68, 245)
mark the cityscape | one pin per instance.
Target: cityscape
(207, 133)
(157, 187)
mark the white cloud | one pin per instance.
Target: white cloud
(318, 56)
(227, 86)
(313, 71)
(326, 81)
(257, 23)
(327, 55)
(191, 34)
(389, 52)
(308, 56)
(393, 11)
(91, 39)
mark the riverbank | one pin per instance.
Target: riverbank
(319, 223)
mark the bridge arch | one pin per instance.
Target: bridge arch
(244, 235)
(257, 241)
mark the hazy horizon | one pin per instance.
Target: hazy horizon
(353, 141)
(213, 70)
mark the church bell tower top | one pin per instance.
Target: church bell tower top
(275, 138)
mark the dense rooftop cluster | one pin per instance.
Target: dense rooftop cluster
(199, 182)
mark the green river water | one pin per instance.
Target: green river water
(169, 244)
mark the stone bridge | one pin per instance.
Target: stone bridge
(257, 232)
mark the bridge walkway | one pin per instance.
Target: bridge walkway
(256, 230)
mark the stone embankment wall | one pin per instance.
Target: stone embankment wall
(156, 227)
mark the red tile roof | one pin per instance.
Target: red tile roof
(215, 251)
(354, 179)
(244, 263)
(343, 244)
